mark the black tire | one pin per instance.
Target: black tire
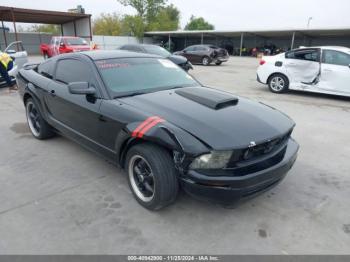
(218, 63)
(161, 177)
(39, 128)
(278, 83)
(206, 61)
(46, 56)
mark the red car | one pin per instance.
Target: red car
(64, 44)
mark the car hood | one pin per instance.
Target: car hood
(176, 59)
(230, 126)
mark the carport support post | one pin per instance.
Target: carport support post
(293, 39)
(241, 45)
(169, 41)
(3, 30)
(14, 26)
(61, 30)
(202, 39)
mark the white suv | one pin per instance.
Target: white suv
(323, 69)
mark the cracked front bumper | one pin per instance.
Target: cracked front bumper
(229, 190)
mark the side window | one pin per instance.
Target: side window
(308, 55)
(17, 47)
(190, 49)
(71, 70)
(335, 58)
(46, 69)
(124, 47)
(201, 48)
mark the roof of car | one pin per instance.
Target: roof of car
(108, 54)
(336, 48)
(140, 45)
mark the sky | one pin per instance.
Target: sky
(225, 14)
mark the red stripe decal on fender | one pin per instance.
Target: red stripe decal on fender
(143, 124)
(149, 126)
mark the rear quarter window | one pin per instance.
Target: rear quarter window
(46, 69)
(307, 55)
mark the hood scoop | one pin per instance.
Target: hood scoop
(211, 98)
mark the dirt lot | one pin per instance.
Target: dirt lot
(58, 198)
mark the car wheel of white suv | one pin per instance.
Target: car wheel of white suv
(278, 83)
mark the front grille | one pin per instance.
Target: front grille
(258, 157)
(264, 148)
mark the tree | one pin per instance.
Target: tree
(167, 19)
(53, 29)
(133, 25)
(146, 9)
(198, 23)
(107, 24)
(151, 15)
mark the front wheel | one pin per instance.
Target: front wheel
(37, 125)
(218, 63)
(278, 83)
(152, 176)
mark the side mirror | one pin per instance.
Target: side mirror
(81, 88)
(11, 51)
(184, 51)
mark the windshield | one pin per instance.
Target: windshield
(157, 50)
(76, 41)
(127, 76)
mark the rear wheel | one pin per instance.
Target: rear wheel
(152, 176)
(205, 61)
(278, 83)
(37, 125)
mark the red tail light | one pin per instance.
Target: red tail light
(262, 62)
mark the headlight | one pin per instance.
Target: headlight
(214, 160)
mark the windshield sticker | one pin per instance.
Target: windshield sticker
(107, 65)
(167, 63)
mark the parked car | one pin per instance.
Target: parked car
(204, 54)
(324, 69)
(157, 50)
(19, 56)
(64, 44)
(153, 119)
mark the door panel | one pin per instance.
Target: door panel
(20, 55)
(303, 66)
(335, 72)
(73, 111)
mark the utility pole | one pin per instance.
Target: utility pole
(309, 21)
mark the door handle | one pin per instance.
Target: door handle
(53, 93)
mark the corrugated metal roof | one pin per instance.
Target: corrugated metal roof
(258, 32)
(22, 15)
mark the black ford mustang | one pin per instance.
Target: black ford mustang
(153, 119)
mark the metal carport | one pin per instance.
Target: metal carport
(290, 37)
(76, 24)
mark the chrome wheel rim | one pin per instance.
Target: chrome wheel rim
(33, 118)
(141, 178)
(205, 61)
(277, 83)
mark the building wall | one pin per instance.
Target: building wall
(113, 42)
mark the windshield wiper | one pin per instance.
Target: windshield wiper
(137, 93)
